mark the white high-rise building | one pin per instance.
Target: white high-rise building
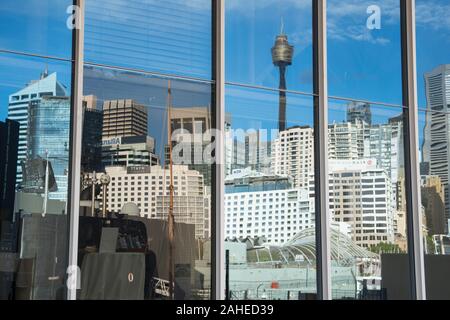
(361, 195)
(19, 103)
(293, 155)
(265, 205)
(247, 149)
(437, 140)
(277, 215)
(148, 188)
(386, 146)
(347, 140)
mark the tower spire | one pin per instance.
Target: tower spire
(282, 53)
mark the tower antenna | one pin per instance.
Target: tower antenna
(282, 53)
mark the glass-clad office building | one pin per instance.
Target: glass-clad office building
(224, 149)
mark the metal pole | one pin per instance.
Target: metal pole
(170, 217)
(93, 183)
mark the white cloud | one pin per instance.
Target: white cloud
(433, 14)
(347, 20)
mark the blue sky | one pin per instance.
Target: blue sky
(363, 64)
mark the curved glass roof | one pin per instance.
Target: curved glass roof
(302, 249)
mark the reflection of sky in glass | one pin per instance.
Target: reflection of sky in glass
(251, 28)
(433, 39)
(17, 71)
(36, 26)
(171, 36)
(362, 64)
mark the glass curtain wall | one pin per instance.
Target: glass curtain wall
(145, 207)
(269, 207)
(148, 149)
(35, 117)
(433, 75)
(366, 152)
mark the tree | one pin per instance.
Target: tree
(384, 247)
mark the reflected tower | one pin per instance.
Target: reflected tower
(282, 53)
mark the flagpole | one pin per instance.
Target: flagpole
(170, 217)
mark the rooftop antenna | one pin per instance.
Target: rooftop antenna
(45, 73)
(282, 26)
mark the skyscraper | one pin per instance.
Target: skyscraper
(437, 85)
(47, 85)
(91, 147)
(257, 151)
(359, 111)
(48, 138)
(248, 149)
(433, 203)
(348, 140)
(190, 133)
(123, 118)
(9, 142)
(282, 53)
(293, 155)
(362, 197)
(386, 146)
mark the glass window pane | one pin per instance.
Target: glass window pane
(433, 74)
(172, 36)
(269, 196)
(264, 38)
(127, 178)
(364, 50)
(36, 26)
(34, 171)
(369, 253)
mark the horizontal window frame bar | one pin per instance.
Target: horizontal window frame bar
(150, 73)
(35, 55)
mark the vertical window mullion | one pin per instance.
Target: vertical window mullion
(412, 176)
(75, 148)
(322, 208)
(218, 181)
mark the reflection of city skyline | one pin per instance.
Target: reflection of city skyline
(147, 204)
(355, 139)
(353, 103)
